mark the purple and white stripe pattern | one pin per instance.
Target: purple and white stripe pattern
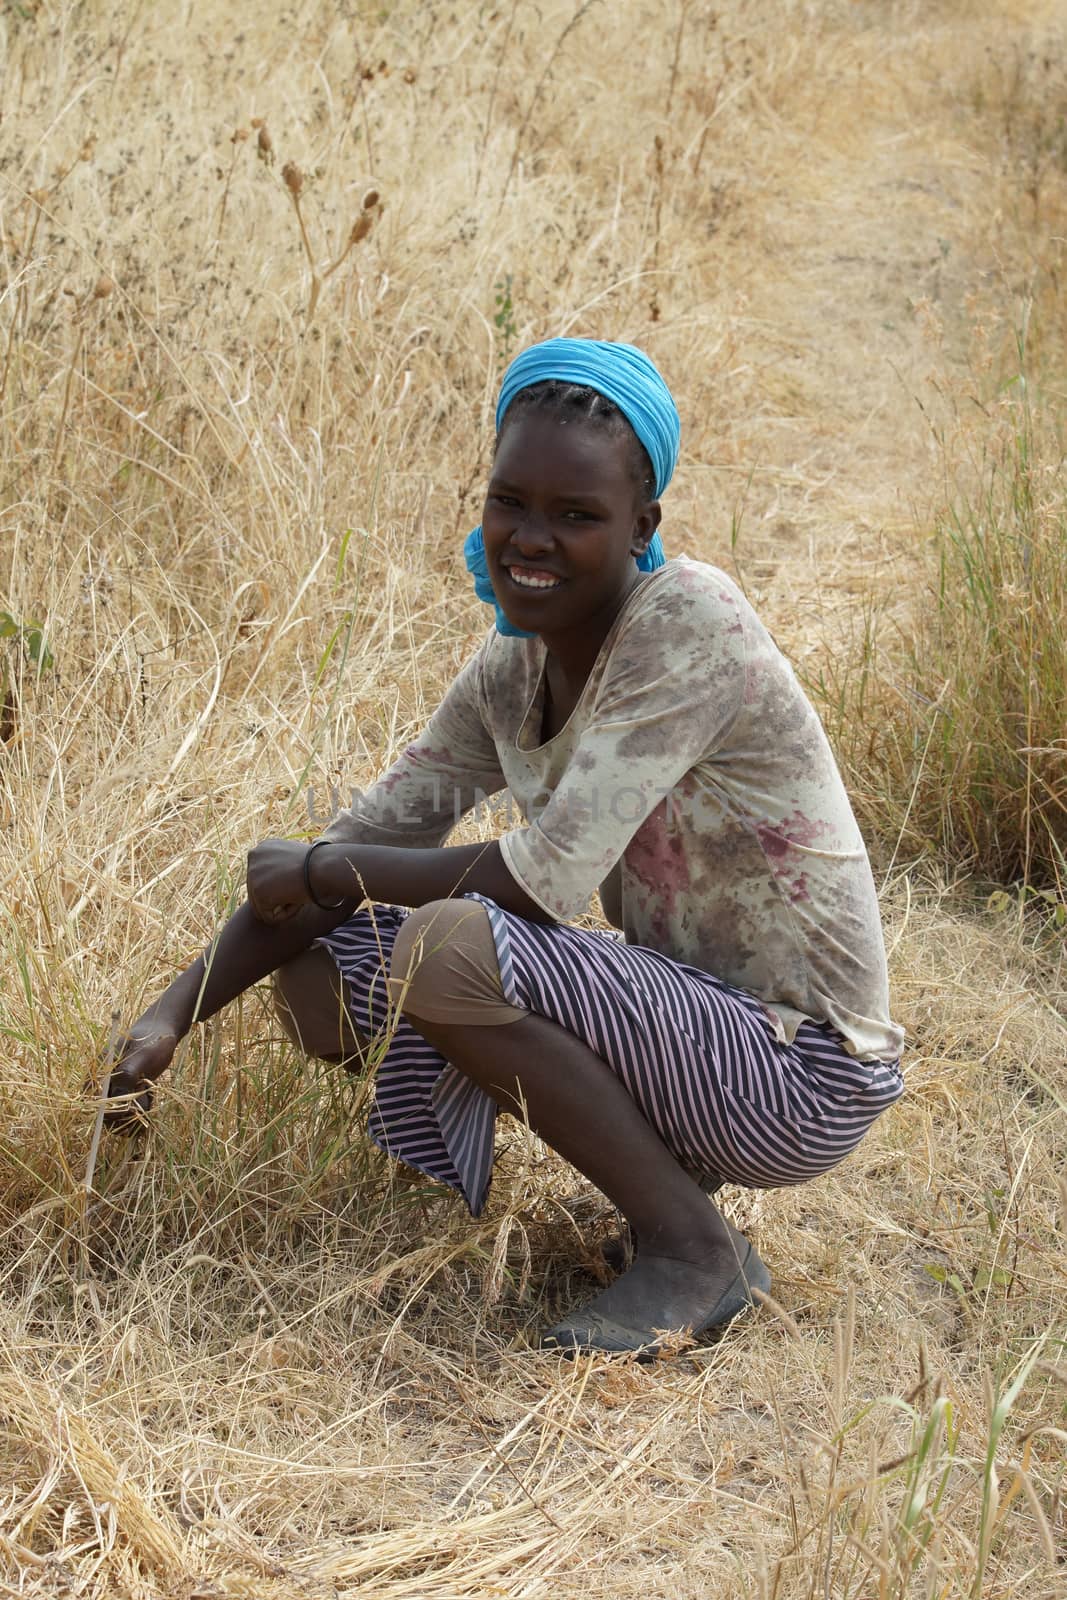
(699, 1058)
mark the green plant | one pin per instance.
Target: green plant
(31, 636)
(28, 637)
(504, 318)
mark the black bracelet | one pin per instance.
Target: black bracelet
(323, 905)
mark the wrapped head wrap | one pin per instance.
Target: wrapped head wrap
(625, 376)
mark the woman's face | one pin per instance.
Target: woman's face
(562, 523)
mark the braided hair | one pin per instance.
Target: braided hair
(577, 400)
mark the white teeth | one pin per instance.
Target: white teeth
(534, 583)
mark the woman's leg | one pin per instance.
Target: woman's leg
(313, 1004)
(690, 1258)
(688, 1255)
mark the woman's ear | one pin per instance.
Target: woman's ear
(645, 524)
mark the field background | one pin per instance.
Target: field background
(243, 434)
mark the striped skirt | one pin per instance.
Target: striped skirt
(699, 1058)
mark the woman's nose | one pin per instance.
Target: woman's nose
(532, 532)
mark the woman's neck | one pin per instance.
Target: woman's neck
(570, 657)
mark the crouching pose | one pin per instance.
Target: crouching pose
(658, 748)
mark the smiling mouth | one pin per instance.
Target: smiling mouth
(531, 578)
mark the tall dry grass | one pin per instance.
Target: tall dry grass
(951, 720)
(243, 434)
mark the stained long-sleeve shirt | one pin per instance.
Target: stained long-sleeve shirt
(693, 783)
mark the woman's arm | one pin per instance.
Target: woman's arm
(409, 811)
(255, 941)
(244, 951)
(278, 887)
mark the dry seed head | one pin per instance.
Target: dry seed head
(293, 178)
(370, 199)
(265, 143)
(257, 122)
(361, 227)
(102, 288)
(239, 135)
(410, 75)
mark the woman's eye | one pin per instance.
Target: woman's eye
(503, 500)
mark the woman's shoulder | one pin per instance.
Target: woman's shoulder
(506, 670)
(683, 585)
(685, 608)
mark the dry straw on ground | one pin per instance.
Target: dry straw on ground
(243, 433)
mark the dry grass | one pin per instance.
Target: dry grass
(256, 1360)
(951, 721)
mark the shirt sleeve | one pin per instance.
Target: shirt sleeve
(672, 689)
(438, 779)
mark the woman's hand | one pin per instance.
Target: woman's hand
(275, 879)
(145, 1053)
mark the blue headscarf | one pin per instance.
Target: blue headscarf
(624, 375)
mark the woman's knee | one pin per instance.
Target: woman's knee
(421, 962)
(444, 966)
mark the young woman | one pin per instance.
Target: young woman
(659, 748)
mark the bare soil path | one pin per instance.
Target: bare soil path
(877, 248)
